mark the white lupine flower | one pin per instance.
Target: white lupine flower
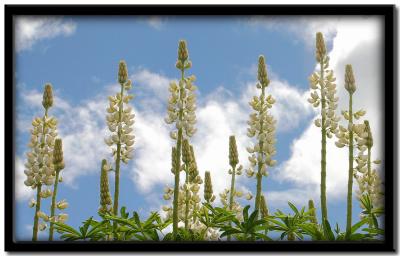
(42, 226)
(62, 217)
(63, 204)
(32, 203)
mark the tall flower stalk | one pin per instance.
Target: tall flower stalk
(181, 111)
(58, 163)
(39, 167)
(120, 120)
(262, 127)
(323, 94)
(347, 137)
(233, 162)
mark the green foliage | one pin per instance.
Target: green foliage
(248, 229)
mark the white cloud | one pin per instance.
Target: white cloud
(155, 22)
(304, 27)
(358, 42)
(29, 30)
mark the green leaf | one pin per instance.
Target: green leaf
(377, 231)
(358, 225)
(123, 212)
(328, 231)
(293, 207)
(246, 213)
(65, 228)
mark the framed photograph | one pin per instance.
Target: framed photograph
(199, 128)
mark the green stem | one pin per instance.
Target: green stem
(369, 169)
(36, 217)
(39, 186)
(53, 205)
(259, 174)
(369, 178)
(118, 160)
(350, 182)
(324, 208)
(187, 201)
(232, 195)
(177, 172)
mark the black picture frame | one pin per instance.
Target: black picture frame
(390, 133)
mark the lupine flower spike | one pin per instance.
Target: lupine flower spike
(58, 162)
(230, 202)
(322, 84)
(313, 211)
(208, 189)
(181, 112)
(347, 137)
(39, 167)
(262, 127)
(369, 183)
(120, 120)
(105, 196)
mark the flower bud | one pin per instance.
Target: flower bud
(47, 96)
(58, 158)
(193, 171)
(320, 47)
(208, 190)
(369, 140)
(183, 54)
(175, 160)
(105, 197)
(262, 72)
(349, 81)
(186, 152)
(233, 153)
(122, 72)
(312, 211)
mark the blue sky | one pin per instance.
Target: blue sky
(80, 56)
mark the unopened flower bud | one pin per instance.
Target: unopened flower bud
(122, 72)
(58, 158)
(233, 153)
(183, 54)
(262, 72)
(369, 140)
(186, 152)
(349, 81)
(320, 47)
(312, 210)
(208, 190)
(47, 96)
(105, 196)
